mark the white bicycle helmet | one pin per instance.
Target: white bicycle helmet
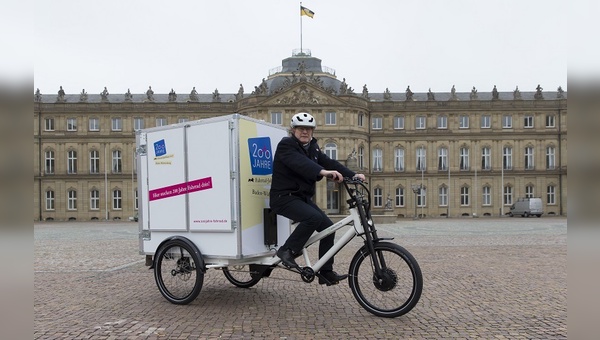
(303, 119)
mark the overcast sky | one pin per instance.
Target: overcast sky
(133, 44)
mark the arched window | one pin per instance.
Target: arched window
(72, 199)
(94, 162)
(49, 162)
(399, 160)
(377, 160)
(94, 199)
(464, 196)
(443, 196)
(50, 200)
(117, 162)
(361, 157)
(331, 150)
(529, 191)
(378, 197)
(464, 158)
(117, 199)
(421, 159)
(71, 162)
(529, 160)
(443, 158)
(486, 198)
(399, 196)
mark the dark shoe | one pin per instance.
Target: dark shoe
(330, 277)
(287, 258)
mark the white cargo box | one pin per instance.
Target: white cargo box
(209, 181)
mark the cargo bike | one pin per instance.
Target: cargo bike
(218, 218)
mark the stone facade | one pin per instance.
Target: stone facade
(84, 150)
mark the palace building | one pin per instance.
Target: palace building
(450, 154)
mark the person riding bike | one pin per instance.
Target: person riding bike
(299, 163)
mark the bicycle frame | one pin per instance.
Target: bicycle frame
(338, 245)
(359, 217)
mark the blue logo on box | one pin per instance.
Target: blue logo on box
(160, 148)
(261, 157)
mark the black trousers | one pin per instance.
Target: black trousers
(311, 219)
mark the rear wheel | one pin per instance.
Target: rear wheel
(178, 272)
(396, 291)
(240, 276)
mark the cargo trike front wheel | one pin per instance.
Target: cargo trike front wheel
(178, 271)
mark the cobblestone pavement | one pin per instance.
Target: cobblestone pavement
(483, 278)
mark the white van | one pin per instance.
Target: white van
(526, 207)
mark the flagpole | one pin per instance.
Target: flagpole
(300, 27)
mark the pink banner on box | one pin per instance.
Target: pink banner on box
(180, 189)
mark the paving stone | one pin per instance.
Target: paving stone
(483, 278)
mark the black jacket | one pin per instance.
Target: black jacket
(296, 171)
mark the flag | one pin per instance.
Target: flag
(306, 11)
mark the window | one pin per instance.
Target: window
(528, 122)
(72, 162)
(550, 121)
(399, 196)
(361, 157)
(331, 150)
(377, 123)
(550, 162)
(464, 159)
(399, 159)
(508, 195)
(117, 200)
(378, 197)
(422, 197)
(117, 166)
(161, 121)
(399, 123)
(529, 158)
(50, 200)
(49, 162)
(420, 122)
(377, 160)
(442, 122)
(529, 191)
(551, 194)
(72, 200)
(138, 123)
(182, 120)
(486, 158)
(94, 124)
(442, 159)
(276, 118)
(71, 124)
(486, 122)
(136, 200)
(463, 122)
(507, 158)
(507, 122)
(464, 196)
(94, 199)
(94, 162)
(361, 118)
(443, 196)
(49, 124)
(117, 124)
(486, 198)
(135, 165)
(330, 118)
(421, 159)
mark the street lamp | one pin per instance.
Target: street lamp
(416, 188)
